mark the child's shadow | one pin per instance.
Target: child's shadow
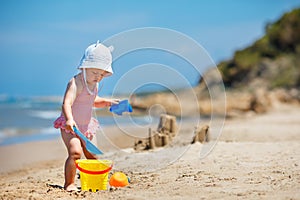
(60, 187)
(55, 186)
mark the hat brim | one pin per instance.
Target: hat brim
(108, 68)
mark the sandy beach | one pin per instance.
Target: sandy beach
(256, 157)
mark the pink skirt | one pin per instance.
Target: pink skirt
(88, 130)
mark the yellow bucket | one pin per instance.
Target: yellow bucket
(93, 174)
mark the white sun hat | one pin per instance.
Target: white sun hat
(97, 56)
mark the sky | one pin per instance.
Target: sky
(42, 42)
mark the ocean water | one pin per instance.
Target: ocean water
(25, 119)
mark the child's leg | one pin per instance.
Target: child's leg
(74, 152)
(87, 154)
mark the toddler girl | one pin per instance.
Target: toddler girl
(79, 99)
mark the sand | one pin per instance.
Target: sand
(256, 157)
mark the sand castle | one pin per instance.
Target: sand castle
(166, 131)
(201, 134)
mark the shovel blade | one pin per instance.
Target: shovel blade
(88, 144)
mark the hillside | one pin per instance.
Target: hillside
(255, 79)
(272, 61)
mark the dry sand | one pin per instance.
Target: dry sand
(256, 157)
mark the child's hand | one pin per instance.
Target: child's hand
(110, 102)
(113, 101)
(103, 102)
(69, 125)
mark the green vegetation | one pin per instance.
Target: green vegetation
(275, 57)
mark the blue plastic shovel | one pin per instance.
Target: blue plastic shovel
(122, 106)
(88, 145)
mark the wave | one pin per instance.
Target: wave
(45, 114)
(50, 131)
(30, 101)
(10, 136)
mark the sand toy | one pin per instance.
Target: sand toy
(123, 106)
(93, 174)
(88, 144)
(119, 179)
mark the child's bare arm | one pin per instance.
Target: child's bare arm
(69, 97)
(103, 102)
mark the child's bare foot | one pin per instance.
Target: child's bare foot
(71, 188)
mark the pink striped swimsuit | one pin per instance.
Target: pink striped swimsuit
(82, 109)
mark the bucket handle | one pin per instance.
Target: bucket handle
(93, 172)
